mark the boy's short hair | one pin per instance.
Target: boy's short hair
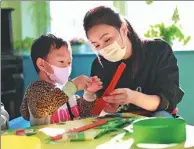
(42, 46)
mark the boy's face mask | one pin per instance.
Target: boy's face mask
(60, 75)
(113, 52)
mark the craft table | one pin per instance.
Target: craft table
(113, 140)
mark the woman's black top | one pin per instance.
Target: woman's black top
(155, 73)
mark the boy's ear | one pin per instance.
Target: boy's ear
(40, 64)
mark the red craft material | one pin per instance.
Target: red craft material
(89, 126)
(57, 137)
(101, 104)
(20, 132)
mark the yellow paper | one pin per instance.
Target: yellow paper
(20, 142)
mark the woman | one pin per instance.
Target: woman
(150, 83)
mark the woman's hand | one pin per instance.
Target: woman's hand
(124, 96)
(121, 96)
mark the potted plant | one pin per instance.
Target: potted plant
(77, 41)
(169, 32)
(23, 46)
(40, 16)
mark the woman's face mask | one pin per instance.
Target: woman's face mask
(113, 52)
(60, 75)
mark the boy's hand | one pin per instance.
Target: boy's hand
(82, 82)
(95, 85)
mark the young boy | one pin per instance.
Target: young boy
(52, 99)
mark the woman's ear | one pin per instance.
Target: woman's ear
(124, 29)
(40, 64)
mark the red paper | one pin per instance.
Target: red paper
(20, 132)
(101, 104)
(86, 127)
(58, 137)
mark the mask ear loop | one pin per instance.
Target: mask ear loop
(122, 39)
(48, 73)
(96, 53)
(124, 45)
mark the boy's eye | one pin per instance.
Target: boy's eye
(61, 61)
(97, 46)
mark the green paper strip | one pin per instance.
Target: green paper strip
(82, 136)
(113, 126)
(77, 136)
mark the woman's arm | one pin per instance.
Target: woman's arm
(166, 84)
(147, 102)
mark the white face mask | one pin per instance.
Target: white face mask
(60, 75)
(113, 52)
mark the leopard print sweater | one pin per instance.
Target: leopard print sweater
(44, 99)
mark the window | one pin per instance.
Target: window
(141, 15)
(67, 17)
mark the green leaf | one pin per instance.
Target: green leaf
(40, 17)
(47, 141)
(168, 33)
(175, 16)
(187, 40)
(149, 2)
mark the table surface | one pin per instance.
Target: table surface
(113, 140)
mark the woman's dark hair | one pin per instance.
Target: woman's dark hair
(108, 16)
(42, 46)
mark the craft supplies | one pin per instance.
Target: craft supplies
(75, 136)
(101, 104)
(82, 136)
(159, 130)
(115, 115)
(89, 126)
(20, 142)
(27, 132)
(113, 125)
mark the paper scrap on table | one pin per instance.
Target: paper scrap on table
(103, 113)
(20, 142)
(76, 136)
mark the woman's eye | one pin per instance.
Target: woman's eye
(107, 40)
(61, 61)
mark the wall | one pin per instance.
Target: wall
(16, 17)
(24, 24)
(28, 29)
(186, 65)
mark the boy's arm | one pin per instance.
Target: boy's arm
(85, 103)
(24, 109)
(47, 101)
